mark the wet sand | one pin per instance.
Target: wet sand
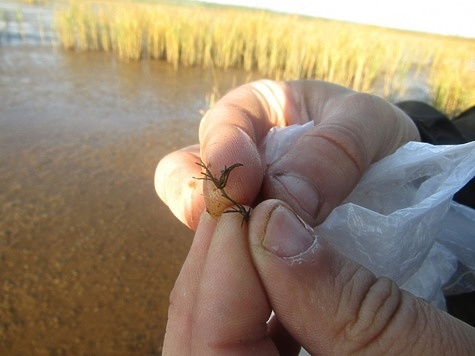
(88, 253)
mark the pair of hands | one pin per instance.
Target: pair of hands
(236, 274)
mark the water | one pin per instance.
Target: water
(23, 24)
(88, 253)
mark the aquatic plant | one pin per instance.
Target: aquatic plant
(364, 58)
(220, 184)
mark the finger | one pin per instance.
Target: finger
(352, 130)
(230, 133)
(182, 298)
(331, 304)
(176, 186)
(231, 308)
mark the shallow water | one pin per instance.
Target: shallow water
(88, 253)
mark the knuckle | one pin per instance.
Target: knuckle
(377, 307)
(376, 320)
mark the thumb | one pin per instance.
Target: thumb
(320, 169)
(332, 305)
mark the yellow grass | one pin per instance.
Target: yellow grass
(364, 58)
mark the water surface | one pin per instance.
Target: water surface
(88, 253)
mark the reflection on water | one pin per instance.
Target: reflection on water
(26, 24)
(88, 253)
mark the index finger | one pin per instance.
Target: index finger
(231, 132)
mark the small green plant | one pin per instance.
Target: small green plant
(220, 184)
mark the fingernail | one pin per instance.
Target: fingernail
(286, 235)
(304, 194)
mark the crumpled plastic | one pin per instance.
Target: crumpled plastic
(400, 220)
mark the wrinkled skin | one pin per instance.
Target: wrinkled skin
(235, 273)
(351, 131)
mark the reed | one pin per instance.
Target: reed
(277, 46)
(126, 28)
(34, 2)
(453, 78)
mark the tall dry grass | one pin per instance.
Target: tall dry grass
(452, 77)
(364, 58)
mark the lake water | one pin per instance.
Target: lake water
(88, 252)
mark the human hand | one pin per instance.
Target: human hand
(236, 274)
(352, 130)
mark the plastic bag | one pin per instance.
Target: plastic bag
(400, 220)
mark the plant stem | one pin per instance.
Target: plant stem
(220, 183)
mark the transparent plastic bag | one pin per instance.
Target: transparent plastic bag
(400, 220)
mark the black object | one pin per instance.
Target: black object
(434, 127)
(465, 123)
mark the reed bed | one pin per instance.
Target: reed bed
(34, 2)
(363, 58)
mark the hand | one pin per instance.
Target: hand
(235, 275)
(352, 130)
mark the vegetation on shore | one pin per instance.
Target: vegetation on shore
(34, 2)
(278, 46)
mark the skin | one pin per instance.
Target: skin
(352, 130)
(236, 273)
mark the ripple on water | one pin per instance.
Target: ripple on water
(88, 253)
